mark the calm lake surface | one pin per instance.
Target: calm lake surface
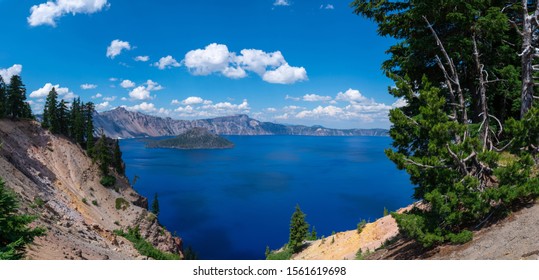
(231, 204)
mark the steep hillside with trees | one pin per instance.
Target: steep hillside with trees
(469, 134)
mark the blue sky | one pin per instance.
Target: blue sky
(296, 61)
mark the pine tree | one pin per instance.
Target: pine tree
(63, 118)
(14, 231)
(456, 65)
(50, 112)
(298, 230)
(102, 154)
(117, 161)
(89, 126)
(155, 205)
(16, 95)
(3, 98)
(77, 122)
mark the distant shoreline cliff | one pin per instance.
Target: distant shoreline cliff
(121, 123)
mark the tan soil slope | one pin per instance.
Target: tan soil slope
(37, 164)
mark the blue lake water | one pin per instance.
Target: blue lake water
(231, 204)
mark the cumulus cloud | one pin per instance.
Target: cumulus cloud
(216, 58)
(288, 97)
(401, 102)
(102, 106)
(281, 3)
(316, 98)
(7, 73)
(113, 79)
(166, 62)
(192, 100)
(63, 93)
(142, 58)
(88, 86)
(127, 84)
(351, 95)
(140, 93)
(144, 107)
(99, 95)
(116, 47)
(143, 92)
(285, 74)
(47, 13)
(109, 98)
(197, 107)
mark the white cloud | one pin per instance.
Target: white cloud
(127, 84)
(140, 93)
(116, 47)
(6, 74)
(99, 95)
(216, 58)
(47, 13)
(285, 74)
(166, 62)
(102, 106)
(110, 99)
(63, 93)
(351, 95)
(88, 86)
(327, 7)
(144, 107)
(316, 98)
(281, 3)
(288, 97)
(113, 79)
(142, 58)
(271, 110)
(401, 102)
(192, 100)
(330, 111)
(153, 86)
(258, 61)
(175, 102)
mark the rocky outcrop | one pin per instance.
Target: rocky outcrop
(121, 123)
(56, 181)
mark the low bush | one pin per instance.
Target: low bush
(108, 181)
(121, 203)
(144, 247)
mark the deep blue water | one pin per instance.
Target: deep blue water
(231, 204)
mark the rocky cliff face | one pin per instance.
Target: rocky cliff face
(120, 123)
(56, 181)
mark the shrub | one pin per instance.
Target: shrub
(84, 200)
(108, 181)
(144, 247)
(284, 254)
(361, 225)
(94, 202)
(121, 203)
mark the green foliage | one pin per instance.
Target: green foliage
(84, 200)
(313, 235)
(361, 225)
(190, 254)
(155, 205)
(121, 203)
(102, 154)
(16, 107)
(144, 247)
(95, 203)
(360, 255)
(298, 230)
(38, 202)
(117, 161)
(448, 134)
(15, 233)
(51, 115)
(267, 252)
(108, 181)
(3, 98)
(283, 254)
(386, 212)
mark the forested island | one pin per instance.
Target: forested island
(195, 138)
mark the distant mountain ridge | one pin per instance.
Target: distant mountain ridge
(121, 123)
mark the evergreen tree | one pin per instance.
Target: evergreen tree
(77, 130)
(313, 234)
(50, 112)
(456, 65)
(298, 230)
(155, 205)
(102, 154)
(16, 95)
(3, 98)
(14, 231)
(63, 118)
(89, 126)
(117, 161)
